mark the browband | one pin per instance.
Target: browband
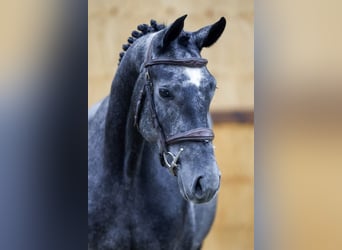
(191, 62)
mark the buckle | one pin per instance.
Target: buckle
(173, 165)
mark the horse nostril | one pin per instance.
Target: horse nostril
(198, 186)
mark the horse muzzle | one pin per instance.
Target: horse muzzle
(201, 188)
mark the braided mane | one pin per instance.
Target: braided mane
(143, 29)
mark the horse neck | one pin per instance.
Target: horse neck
(134, 147)
(119, 102)
(118, 133)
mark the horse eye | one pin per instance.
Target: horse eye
(165, 93)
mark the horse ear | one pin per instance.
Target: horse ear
(173, 31)
(208, 35)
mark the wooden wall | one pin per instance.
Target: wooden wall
(234, 223)
(230, 61)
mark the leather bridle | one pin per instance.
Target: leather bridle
(167, 158)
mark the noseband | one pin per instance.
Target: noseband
(167, 158)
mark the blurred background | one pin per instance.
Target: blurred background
(231, 61)
(298, 138)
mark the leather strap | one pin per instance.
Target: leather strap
(197, 134)
(189, 62)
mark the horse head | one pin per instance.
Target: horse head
(173, 94)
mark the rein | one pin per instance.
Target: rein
(167, 158)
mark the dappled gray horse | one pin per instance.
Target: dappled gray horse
(156, 115)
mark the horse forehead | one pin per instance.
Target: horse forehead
(195, 76)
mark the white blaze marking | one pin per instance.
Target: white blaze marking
(195, 76)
